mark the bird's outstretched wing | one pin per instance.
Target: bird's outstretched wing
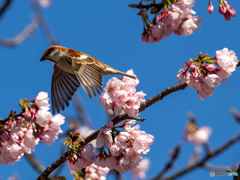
(63, 87)
(88, 74)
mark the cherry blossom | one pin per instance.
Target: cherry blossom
(95, 172)
(227, 60)
(22, 134)
(105, 136)
(121, 95)
(140, 170)
(77, 163)
(226, 10)
(126, 149)
(176, 19)
(210, 8)
(205, 73)
(41, 101)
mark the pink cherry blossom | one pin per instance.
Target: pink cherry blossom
(49, 136)
(127, 125)
(142, 143)
(121, 95)
(43, 117)
(105, 136)
(226, 10)
(212, 80)
(95, 172)
(200, 136)
(182, 77)
(227, 60)
(204, 90)
(87, 152)
(41, 101)
(56, 121)
(188, 3)
(140, 170)
(84, 160)
(223, 75)
(210, 8)
(108, 97)
(210, 67)
(190, 24)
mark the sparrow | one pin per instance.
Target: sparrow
(72, 69)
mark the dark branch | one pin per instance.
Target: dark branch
(4, 7)
(82, 115)
(204, 160)
(36, 164)
(211, 167)
(170, 163)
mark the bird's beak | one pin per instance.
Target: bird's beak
(43, 58)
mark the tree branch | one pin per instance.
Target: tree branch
(211, 167)
(27, 32)
(44, 26)
(36, 164)
(5, 7)
(170, 163)
(82, 115)
(204, 160)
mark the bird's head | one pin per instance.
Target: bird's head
(54, 53)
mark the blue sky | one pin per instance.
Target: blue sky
(111, 32)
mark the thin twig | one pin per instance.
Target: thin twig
(235, 114)
(138, 119)
(175, 154)
(140, 6)
(44, 25)
(4, 7)
(36, 164)
(59, 170)
(211, 167)
(204, 159)
(82, 115)
(207, 147)
(26, 33)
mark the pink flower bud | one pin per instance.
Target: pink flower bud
(222, 9)
(232, 11)
(27, 113)
(227, 16)
(210, 8)
(210, 67)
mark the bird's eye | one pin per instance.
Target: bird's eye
(48, 52)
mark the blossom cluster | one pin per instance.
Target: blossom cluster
(82, 158)
(125, 149)
(176, 19)
(224, 8)
(204, 73)
(196, 135)
(94, 172)
(22, 132)
(120, 94)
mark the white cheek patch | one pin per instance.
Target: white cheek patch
(58, 55)
(82, 57)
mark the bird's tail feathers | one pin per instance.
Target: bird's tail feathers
(128, 75)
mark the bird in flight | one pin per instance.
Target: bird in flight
(72, 69)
